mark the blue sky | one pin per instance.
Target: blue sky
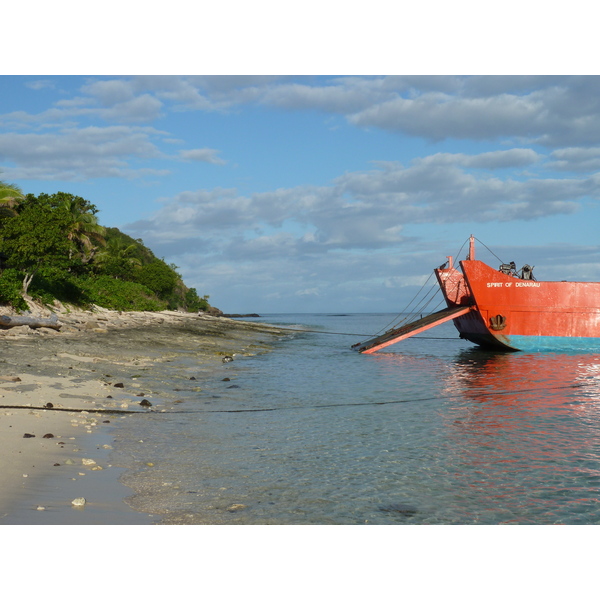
(302, 193)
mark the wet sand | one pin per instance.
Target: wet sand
(64, 393)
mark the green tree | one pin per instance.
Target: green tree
(118, 259)
(35, 237)
(158, 277)
(10, 196)
(84, 232)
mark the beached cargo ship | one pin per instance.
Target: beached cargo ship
(508, 309)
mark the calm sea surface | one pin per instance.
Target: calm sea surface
(431, 430)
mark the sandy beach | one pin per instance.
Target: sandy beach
(63, 394)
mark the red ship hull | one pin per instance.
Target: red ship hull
(516, 314)
(506, 310)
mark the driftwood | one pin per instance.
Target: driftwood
(33, 322)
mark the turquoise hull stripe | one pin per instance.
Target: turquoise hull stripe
(543, 343)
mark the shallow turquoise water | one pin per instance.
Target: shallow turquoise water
(430, 430)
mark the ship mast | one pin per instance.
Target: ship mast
(471, 255)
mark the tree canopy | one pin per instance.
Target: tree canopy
(53, 248)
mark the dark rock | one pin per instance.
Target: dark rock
(48, 405)
(230, 387)
(48, 436)
(57, 464)
(141, 394)
(192, 379)
(227, 359)
(226, 379)
(405, 510)
(119, 385)
(28, 435)
(145, 403)
(236, 316)
(109, 397)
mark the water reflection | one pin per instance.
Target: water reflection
(523, 433)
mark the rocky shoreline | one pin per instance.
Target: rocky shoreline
(63, 391)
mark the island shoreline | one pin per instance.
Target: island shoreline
(63, 393)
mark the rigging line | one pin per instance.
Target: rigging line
(490, 251)
(395, 319)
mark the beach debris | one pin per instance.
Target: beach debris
(88, 462)
(10, 378)
(78, 502)
(41, 508)
(145, 402)
(48, 436)
(69, 461)
(236, 507)
(227, 359)
(28, 435)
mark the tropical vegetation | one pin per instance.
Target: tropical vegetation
(52, 248)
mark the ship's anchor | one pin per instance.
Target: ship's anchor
(498, 322)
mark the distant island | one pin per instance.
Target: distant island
(53, 249)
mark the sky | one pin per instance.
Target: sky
(312, 192)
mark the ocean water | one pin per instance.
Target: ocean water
(431, 430)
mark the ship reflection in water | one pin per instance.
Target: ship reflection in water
(526, 433)
(518, 435)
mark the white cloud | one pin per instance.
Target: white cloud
(77, 154)
(209, 155)
(360, 210)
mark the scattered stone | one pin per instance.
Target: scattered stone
(41, 508)
(227, 359)
(226, 379)
(48, 435)
(192, 379)
(57, 464)
(28, 435)
(149, 464)
(78, 502)
(230, 387)
(145, 402)
(106, 421)
(140, 394)
(109, 397)
(236, 507)
(88, 462)
(119, 385)
(48, 405)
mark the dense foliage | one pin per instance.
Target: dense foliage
(53, 248)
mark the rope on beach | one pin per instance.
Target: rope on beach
(280, 408)
(109, 411)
